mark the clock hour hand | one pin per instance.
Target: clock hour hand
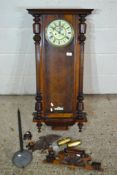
(59, 31)
(53, 28)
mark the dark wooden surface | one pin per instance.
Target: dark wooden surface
(60, 11)
(59, 70)
(59, 78)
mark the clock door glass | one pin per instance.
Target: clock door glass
(59, 65)
(59, 33)
(59, 81)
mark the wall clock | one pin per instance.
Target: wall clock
(59, 36)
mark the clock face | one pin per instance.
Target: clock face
(59, 33)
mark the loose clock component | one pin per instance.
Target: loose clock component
(74, 143)
(59, 33)
(22, 157)
(64, 141)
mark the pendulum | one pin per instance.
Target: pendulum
(22, 157)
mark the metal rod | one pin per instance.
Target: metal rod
(20, 130)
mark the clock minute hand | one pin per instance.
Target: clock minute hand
(60, 31)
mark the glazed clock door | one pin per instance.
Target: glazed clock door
(59, 66)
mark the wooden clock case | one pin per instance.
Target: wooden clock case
(59, 70)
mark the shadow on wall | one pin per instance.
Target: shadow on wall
(91, 81)
(24, 66)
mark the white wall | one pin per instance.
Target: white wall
(17, 63)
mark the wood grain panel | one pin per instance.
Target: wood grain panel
(59, 72)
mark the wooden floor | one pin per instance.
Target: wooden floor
(99, 136)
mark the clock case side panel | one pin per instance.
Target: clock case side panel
(62, 118)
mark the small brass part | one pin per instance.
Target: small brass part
(74, 143)
(63, 141)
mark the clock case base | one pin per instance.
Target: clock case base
(58, 124)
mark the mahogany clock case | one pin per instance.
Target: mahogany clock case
(59, 70)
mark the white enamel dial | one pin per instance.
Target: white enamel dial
(59, 33)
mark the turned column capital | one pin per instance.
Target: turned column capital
(82, 28)
(37, 29)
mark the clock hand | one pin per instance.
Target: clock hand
(53, 28)
(59, 31)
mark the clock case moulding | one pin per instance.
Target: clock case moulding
(59, 77)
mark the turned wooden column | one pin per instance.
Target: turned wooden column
(81, 115)
(37, 39)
